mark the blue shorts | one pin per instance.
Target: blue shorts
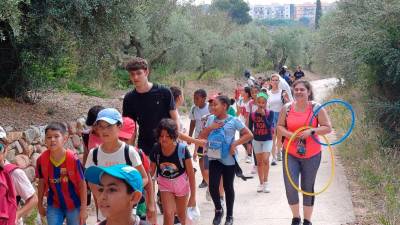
(262, 146)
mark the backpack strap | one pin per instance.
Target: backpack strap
(9, 168)
(181, 154)
(126, 154)
(95, 153)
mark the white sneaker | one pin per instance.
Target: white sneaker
(266, 188)
(260, 188)
(208, 195)
(248, 159)
(254, 170)
(222, 202)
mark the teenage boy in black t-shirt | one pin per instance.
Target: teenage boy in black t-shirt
(147, 104)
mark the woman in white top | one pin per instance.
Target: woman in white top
(277, 98)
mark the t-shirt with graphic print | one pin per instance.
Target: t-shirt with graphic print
(168, 166)
(261, 126)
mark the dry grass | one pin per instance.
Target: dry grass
(374, 171)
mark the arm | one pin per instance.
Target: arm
(150, 201)
(28, 206)
(192, 126)
(207, 130)
(189, 139)
(324, 128)
(41, 209)
(174, 116)
(83, 215)
(245, 136)
(153, 169)
(192, 182)
(143, 173)
(281, 126)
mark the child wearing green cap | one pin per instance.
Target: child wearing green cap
(119, 189)
(261, 124)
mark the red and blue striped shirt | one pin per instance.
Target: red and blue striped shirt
(63, 182)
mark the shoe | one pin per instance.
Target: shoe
(306, 222)
(260, 188)
(266, 188)
(208, 195)
(274, 162)
(229, 220)
(254, 170)
(218, 217)
(279, 156)
(203, 184)
(296, 221)
(248, 159)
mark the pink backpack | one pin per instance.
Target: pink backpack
(8, 203)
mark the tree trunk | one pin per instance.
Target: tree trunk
(138, 46)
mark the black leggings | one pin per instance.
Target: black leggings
(217, 169)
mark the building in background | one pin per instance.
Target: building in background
(288, 11)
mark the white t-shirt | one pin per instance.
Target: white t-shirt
(274, 101)
(22, 185)
(196, 114)
(110, 159)
(251, 81)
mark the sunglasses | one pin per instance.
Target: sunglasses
(2, 147)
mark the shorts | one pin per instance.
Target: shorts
(276, 117)
(178, 186)
(262, 146)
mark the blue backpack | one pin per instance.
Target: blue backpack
(217, 145)
(181, 154)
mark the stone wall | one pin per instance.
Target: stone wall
(26, 146)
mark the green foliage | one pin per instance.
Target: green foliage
(85, 90)
(213, 75)
(121, 77)
(318, 13)
(238, 10)
(360, 42)
(278, 22)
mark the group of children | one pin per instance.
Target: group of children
(120, 176)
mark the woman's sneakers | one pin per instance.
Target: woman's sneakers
(218, 217)
(296, 221)
(263, 188)
(306, 222)
(229, 220)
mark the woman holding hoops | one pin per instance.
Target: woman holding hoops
(221, 160)
(304, 154)
(277, 98)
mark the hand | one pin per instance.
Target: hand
(202, 142)
(42, 210)
(189, 143)
(233, 148)
(151, 213)
(192, 201)
(305, 134)
(216, 125)
(83, 215)
(17, 217)
(261, 111)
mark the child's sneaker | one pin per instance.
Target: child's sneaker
(266, 188)
(273, 163)
(306, 222)
(260, 188)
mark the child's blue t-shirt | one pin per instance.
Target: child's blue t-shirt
(230, 129)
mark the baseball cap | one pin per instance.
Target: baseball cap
(262, 95)
(120, 171)
(2, 133)
(110, 115)
(128, 128)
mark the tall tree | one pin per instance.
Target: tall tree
(238, 10)
(318, 13)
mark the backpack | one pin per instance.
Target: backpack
(8, 205)
(217, 145)
(126, 155)
(181, 154)
(9, 168)
(70, 160)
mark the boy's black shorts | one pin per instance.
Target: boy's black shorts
(200, 152)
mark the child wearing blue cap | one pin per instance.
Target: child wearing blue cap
(119, 189)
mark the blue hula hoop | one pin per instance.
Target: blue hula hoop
(353, 119)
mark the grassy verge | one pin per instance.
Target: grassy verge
(374, 169)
